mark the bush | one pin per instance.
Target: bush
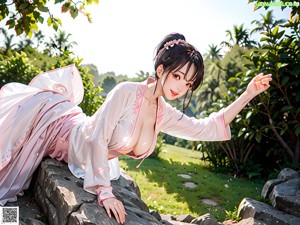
(269, 126)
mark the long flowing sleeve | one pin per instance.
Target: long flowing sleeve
(88, 149)
(211, 128)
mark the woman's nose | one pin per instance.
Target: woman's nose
(180, 86)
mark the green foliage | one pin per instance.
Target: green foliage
(92, 99)
(262, 199)
(17, 68)
(108, 84)
(252, 169)
(7, 42)
(235, 152)
(93, 70)
(59, 44)
(211, 153)
(141, 76)
(280, 56)
(233, 215)
(25, 16)
(169, 139)
(239, 36)
(158, 146)
(39, 59)
(269, 126)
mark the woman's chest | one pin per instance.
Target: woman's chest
(136, 130)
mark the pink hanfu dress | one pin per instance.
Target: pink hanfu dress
(43, 119)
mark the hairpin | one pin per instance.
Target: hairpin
(170, 44)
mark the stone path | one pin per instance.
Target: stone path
(192, 185)
(185, 176)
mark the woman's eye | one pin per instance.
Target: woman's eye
(177, 77)
(189, 85)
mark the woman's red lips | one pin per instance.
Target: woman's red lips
(174, 93)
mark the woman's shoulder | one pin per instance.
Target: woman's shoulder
(127, 86)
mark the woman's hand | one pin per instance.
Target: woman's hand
(117, 207)
(258, 84)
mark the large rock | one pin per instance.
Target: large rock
(284, 192)
(268, 187)
(286, 197)
(265, 213)
(64, 201)
(206, 219)
(288, 174)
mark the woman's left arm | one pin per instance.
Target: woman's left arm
(257, 85)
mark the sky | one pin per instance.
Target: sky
(124, 33)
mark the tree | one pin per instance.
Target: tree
(267, 22)
(24, 43)
(210, 89)
(281, 57)
(210, 92)
(240, 36)
(16, 68)
(214, 66)
(60, 43)
(108, 84)
(271, 119)
(8, 41)
(141, 76)
(25, 15)
(214, 52)
(94, 71)
(39, 36)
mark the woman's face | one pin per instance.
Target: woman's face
(176, 83)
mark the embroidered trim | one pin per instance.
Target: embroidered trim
(160, 113)
(138, 99)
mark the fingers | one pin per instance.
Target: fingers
(116, 207)
(116, 214)
(262, 81)
(119, 212)
(108, 211)
(261, 77)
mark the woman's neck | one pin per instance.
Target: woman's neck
(153, 92)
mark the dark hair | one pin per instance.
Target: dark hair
(175, 57)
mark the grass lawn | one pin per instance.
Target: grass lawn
(163, 190)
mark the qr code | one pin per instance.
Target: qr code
(9, 215)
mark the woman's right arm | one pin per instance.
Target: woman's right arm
(211, 128)
(90, 150)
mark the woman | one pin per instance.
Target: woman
(43, 119)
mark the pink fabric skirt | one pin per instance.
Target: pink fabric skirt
(53, 142)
